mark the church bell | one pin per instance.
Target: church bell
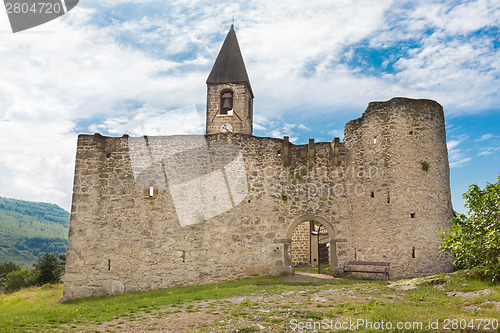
(226, 105)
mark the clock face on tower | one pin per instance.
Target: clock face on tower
(226, 127)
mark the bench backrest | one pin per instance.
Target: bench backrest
(372, 263)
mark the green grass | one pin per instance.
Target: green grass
(37, 308)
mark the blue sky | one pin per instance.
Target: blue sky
(139, 67)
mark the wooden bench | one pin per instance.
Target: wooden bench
(349, 269)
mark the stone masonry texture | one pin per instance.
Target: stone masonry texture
(158, 212)
(301, 245)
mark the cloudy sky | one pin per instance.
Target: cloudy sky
(139, 67)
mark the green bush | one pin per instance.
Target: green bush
(5, 269)
(475, 238)
(21, 278)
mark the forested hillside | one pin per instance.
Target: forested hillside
(29, 229)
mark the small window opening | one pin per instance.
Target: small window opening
(373, 194)
(413, 252)
(411, 133)
(226, 103)
(388, 197)
(183, 256)
(375, 140)
(412, 215)
(108, 155)
(109, 264)
(151, 190)
(355, 254)
(279, 152)
(352, 207)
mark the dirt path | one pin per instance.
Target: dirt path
(272, 309)
(262, 313)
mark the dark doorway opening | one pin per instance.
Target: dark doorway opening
(311, 247)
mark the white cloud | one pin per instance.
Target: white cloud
(337, 134)
(278, 130)
(455, 19)
(485, 137)
(151, 121)
(485, 153)
(488, 151)
(459, 162)
(452, 144)
(37, 161)
(456, 156)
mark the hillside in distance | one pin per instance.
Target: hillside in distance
(29, 229)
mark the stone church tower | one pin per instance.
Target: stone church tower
(229, 93)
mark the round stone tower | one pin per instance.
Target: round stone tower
(400, 198)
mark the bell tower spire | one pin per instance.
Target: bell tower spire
(229, 93)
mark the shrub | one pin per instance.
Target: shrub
(5, 269)
(21, 278)
(474, 238)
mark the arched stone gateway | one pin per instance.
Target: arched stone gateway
(334, 267)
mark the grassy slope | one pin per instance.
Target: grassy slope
(37, 309)
(29, 229)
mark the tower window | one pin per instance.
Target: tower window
(375, 140)
(226, 102)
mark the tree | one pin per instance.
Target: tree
(475, 238)
(47, 269)
(18, 279)
(5, 269)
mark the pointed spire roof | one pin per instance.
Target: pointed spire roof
(229, 66)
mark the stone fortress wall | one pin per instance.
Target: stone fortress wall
(157, 212)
